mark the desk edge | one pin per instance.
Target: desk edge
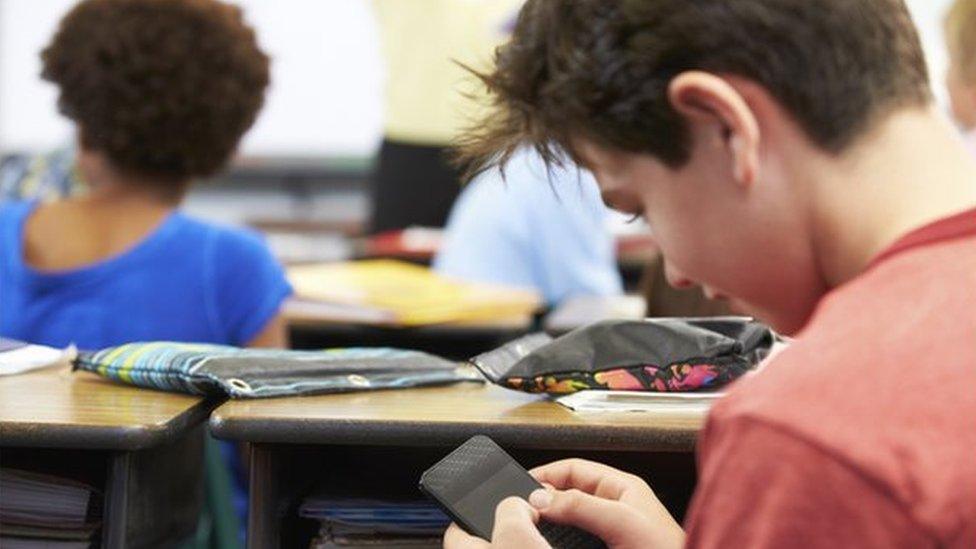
(405, 433)
(98, 437)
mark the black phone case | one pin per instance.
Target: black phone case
(457, 472)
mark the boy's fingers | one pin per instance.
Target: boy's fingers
(456, 538)
(588, 476)
(607, 519)
(515, 526)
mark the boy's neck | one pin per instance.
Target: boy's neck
(909, 171)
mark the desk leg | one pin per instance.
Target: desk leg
(115, 518)
(262, 520)
(153, 497)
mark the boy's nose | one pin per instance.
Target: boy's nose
(676, 278)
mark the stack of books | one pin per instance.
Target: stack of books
(43, 511)
(361, 523)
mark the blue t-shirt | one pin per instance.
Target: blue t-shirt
(187, 281)
(538, 229)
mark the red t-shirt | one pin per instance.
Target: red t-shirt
(863, 432)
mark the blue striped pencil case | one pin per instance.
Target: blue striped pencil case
(204, 369)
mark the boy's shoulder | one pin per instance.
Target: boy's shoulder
(880, 380)
(898, 333)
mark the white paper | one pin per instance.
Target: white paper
(33, 357)
(637, 401)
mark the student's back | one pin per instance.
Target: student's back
(186, 281)
(521, 231)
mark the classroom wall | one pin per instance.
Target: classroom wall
(325, 99)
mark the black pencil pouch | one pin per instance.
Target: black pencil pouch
(257, 373)
(662, 355)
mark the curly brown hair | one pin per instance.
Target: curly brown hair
(600, 69)
(163, 88)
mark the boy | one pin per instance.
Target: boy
(788, 158)
(960, 37)
(161, 92)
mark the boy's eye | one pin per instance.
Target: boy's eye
(635, 217)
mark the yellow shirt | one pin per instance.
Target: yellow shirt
(425, 98)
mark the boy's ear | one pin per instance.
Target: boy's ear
(709, 99)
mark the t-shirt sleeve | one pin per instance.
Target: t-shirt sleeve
(249, 285)
(761, 486)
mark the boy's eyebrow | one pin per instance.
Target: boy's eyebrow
(618, 200)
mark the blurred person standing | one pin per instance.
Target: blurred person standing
(429, 97)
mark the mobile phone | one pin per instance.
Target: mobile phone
(471, 481)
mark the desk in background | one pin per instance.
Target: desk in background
(376, 444)
(577, 312)
(143, 449)
(315, 327)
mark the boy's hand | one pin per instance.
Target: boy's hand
(515, 523)
(618, 507)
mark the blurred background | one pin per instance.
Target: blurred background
(309, 155)
(321, 172)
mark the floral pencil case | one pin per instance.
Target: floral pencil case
(657, 354)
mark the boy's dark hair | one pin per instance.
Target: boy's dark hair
(600, 69)
(164, 88)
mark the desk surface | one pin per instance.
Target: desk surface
(446, 416)
(55, 408)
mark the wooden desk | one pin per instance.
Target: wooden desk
(315, 327)
(377, 444)
(142, 448)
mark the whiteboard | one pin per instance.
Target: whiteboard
(325, 98)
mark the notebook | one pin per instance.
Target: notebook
(375, 523)
(39, 510)
(635, 401)
(384, 291)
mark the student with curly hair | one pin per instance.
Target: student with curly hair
(160, 92)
